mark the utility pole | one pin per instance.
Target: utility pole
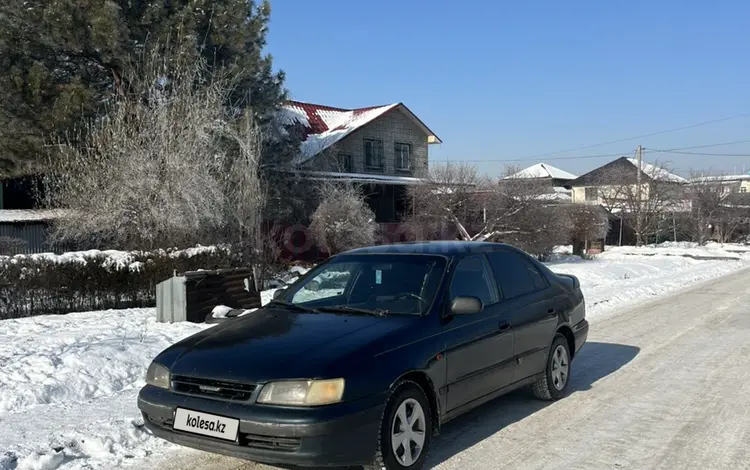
(638, 220)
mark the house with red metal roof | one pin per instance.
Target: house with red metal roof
(384, 148)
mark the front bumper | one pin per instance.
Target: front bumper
(338, 435)
(580, 333)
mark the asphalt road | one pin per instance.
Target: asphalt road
(664, 385)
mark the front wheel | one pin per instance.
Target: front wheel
(405, 430)
(554, 382)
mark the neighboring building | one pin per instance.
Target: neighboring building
(552, 181)
(380, 140)
(602, 185)
(730, 183)
(25, 231)
(614, 187)
(23, 228)
(384, 148)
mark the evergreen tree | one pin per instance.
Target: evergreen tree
(57, 64)
(61, 61)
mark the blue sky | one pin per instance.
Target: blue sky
(499, 80)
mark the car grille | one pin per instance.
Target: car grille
(212, 388)
(166, 423)
(281, 444)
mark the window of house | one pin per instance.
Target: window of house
(743, 189)
(373, 154)
(402, 153)
(592, 194)
(344, 162)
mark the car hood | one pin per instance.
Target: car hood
(274, 343)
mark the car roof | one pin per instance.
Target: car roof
(445, 248)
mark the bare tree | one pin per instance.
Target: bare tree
(245, 199)
(519, 211)
(446, 202)
(588, 223)
(661, 193)
(343, 220)
(707, 196)
(719, 210)
(149, 172)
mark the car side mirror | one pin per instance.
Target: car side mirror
(278, 293)
(466, 306)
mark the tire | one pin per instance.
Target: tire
(554, 383)
(409, 398)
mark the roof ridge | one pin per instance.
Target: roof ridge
(335, 108)
(324, 106)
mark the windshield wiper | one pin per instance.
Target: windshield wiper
(345, 309)
(282, 303)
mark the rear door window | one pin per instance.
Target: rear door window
(515, 276)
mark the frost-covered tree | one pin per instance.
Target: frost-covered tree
(156, 170)
(343, 220)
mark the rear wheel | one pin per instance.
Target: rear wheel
(405, 430)
(557, 373)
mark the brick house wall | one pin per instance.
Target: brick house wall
(390, 128)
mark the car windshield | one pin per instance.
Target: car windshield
(378, 284)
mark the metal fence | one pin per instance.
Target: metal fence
(24, 238)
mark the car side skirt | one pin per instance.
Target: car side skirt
(456, 412)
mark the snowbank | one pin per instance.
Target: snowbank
(686, 249)
(68, 384)
(616, 279)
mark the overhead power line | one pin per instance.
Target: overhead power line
(701, 153)
(705, 146)
(643, 136)
(579, 157)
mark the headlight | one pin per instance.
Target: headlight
(302, 392)
(158, 376)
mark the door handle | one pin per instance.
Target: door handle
(504, 326)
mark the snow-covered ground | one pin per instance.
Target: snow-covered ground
(623, 275)
(68, 384)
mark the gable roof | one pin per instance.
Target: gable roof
(543, 170)
(324, 126)
(624, 171)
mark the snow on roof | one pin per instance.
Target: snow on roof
(557, 194)
(324, 125)
(29, 215)
(708, 178)
(543, 170)
(658, 173)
